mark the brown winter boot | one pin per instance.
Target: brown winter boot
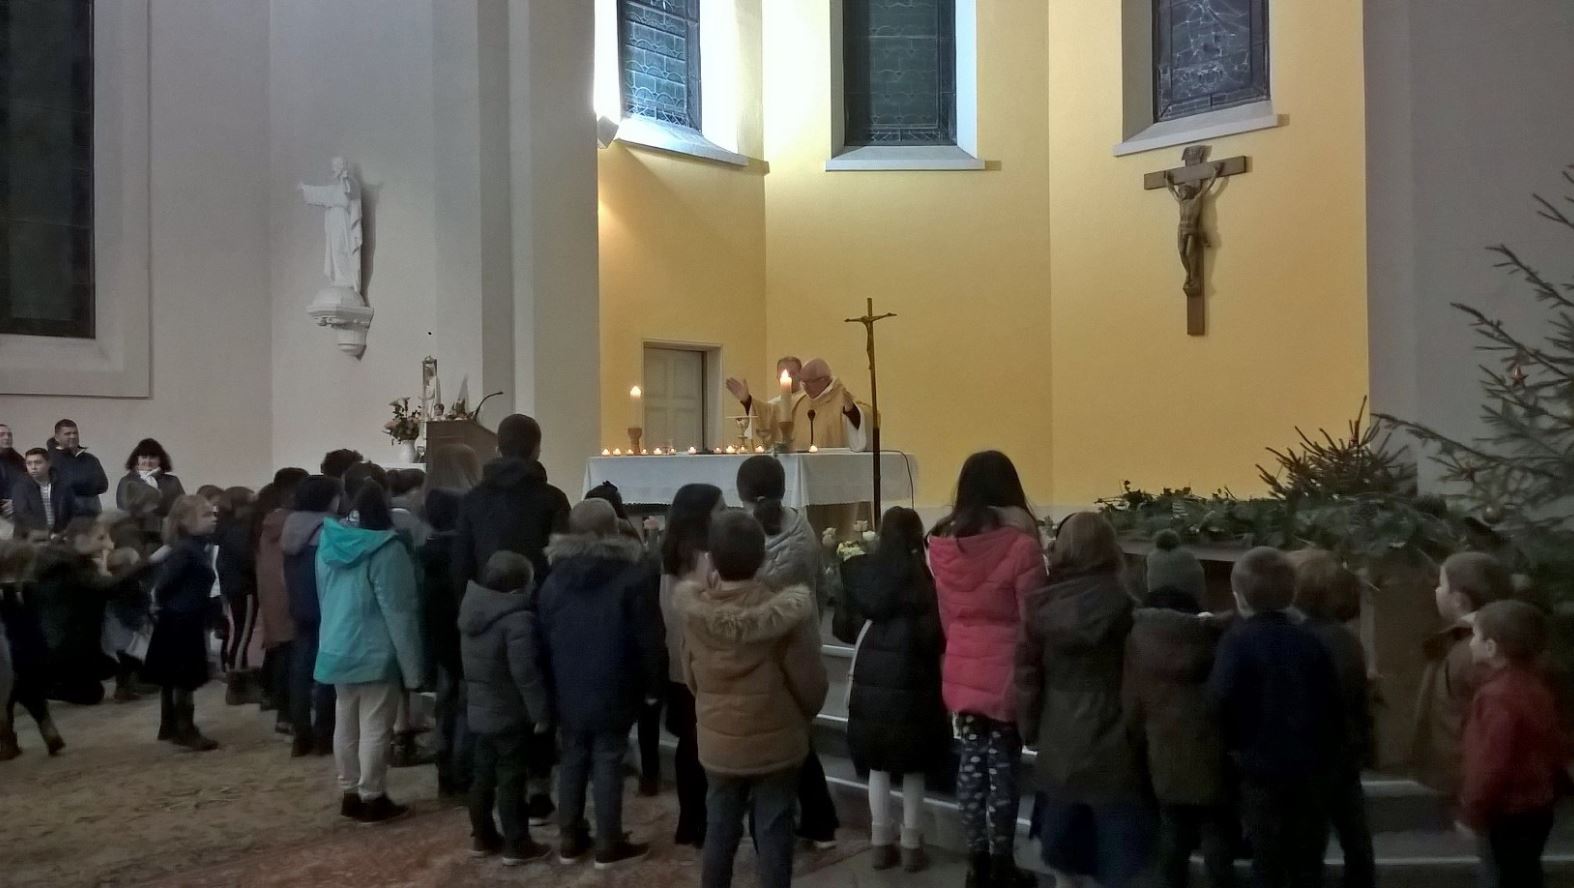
(186, 734)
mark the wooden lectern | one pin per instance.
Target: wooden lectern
(461, 431)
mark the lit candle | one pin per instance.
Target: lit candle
(656, 452)
(813, 449)
(731, 449)
(759, 448)
(693, 451)
(605, 452)
(617, 451)
(786, 382)
(636, 398)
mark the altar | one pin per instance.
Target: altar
(829, 477)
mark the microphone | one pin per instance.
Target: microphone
(811, 425)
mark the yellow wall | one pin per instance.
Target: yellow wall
(1040, 299)
(1133, 396)
(682, 240)
(962, 257)
(682, 260)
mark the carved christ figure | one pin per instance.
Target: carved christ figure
(341, 225)
(1191, 239)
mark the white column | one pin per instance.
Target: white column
(556, 311)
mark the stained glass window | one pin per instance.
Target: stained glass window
(46, 167)
(659, 54)
(1207, 55)
(899, 72)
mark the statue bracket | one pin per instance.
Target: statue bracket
(341, 308)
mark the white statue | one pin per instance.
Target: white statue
(341, 224)
(341, 304)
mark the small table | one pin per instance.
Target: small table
(829, 477)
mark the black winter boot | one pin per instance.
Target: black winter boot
(1003, 873)
(978, 871)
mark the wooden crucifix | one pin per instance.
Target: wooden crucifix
(869, 320)
(1190, 185)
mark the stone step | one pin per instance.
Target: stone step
(1394, 804)
(1418, 858)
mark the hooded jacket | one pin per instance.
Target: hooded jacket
(1069, 671)
(1168, 658)
(752, 659)
(497, 640)
(1448, 683)
(371, 612)
(513, 508)
(298, 542)
(601, 637)
(896, 718)
(792, 557)
(273, 601)
(983, 582)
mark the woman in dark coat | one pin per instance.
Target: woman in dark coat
(1096, 819)
(148, 489)
(896, 723)
(178, 654)
(24, 636)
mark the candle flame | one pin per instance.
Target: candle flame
(786, 378)
(635, 392)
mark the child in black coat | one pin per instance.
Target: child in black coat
(896, 722)
(1283, 722)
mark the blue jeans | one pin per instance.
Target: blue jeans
(1112, 842)
(594, 758)
(769, 798)
(311, 704)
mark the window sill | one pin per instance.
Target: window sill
(1212, 125)
(903, 157)
(675, 140)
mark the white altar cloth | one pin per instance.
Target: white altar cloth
(813, 479)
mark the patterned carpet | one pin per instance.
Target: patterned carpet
(119, 809)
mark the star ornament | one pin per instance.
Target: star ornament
(1517, 375)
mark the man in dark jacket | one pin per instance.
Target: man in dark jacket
(1283, 720)
(77, 469)
(40, 501)
(507, 703)
(604, 652)
(513, 508)
(311, 704)
(13, 468)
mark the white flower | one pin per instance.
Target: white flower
(869, 536)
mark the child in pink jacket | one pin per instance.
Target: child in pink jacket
(986, 559)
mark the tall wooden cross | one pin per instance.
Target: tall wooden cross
(1190, 184)
(869, 320)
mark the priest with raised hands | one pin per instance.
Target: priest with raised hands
(822, 412)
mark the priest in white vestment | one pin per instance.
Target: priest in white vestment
(823, 413)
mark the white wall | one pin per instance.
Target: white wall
(207, 254)
(1469, 112)
(350, 78)
(469, 123)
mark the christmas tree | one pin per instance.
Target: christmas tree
(1518, 477)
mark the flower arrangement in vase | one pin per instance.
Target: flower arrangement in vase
(404, 428)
